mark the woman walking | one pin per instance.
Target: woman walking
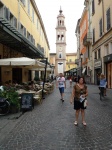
(79, 95)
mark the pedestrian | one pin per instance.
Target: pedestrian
(79, 95)
(103, 83)
(61, 83)
(70, 82)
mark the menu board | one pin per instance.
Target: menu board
(27, 101)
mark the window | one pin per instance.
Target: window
(70, 60)
(88, 52)
(108, 19)
(100, 27)
(6, 13)
(93, 7)
(99, 53)
(21, 28)
(24, 31)
(99, 1)
(15, 22)
(28, 36)
(1, 9)
(93, 36)
(95, 55)
(29, 7)
(60, 54)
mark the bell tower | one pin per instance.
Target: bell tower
(60, 43)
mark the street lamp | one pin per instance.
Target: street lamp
(81, 56)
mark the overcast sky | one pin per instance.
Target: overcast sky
(72, 10)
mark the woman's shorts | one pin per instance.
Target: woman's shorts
(78, 105)
(61, 89)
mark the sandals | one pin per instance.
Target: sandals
(84, 123)
(75, 123)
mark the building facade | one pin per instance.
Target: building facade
(22, 33)
(60, 66)
(102, 39)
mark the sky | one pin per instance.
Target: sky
(72, 10)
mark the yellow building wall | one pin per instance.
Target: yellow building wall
(22, 16)
(98, 15)
(21, 13)
(70, 64)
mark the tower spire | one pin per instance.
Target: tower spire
(60, 10)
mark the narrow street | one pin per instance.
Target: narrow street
(50, 125)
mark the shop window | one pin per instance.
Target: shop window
(108, 19)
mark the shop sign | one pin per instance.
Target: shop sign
(97, 64)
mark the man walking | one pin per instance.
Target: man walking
(61, 83)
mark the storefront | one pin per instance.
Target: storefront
(108, 69)
(97, 70)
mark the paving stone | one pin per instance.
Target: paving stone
(50, 125)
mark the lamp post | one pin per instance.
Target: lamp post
(46, 62)
(81, 56)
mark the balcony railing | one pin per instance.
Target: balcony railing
(87, 39)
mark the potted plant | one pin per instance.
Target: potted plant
(13, 98)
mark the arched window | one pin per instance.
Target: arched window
(59, 55)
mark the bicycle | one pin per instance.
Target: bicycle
(4, 106)
(101, 92)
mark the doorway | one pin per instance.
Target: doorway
(17, 75)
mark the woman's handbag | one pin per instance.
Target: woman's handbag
(85, 103)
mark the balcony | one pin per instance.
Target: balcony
(87, 39)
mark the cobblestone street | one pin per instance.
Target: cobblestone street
(50, 125)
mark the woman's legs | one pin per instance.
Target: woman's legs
(83, 115)
(77, 114)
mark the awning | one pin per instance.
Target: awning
(12, 38)
(21, 61)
